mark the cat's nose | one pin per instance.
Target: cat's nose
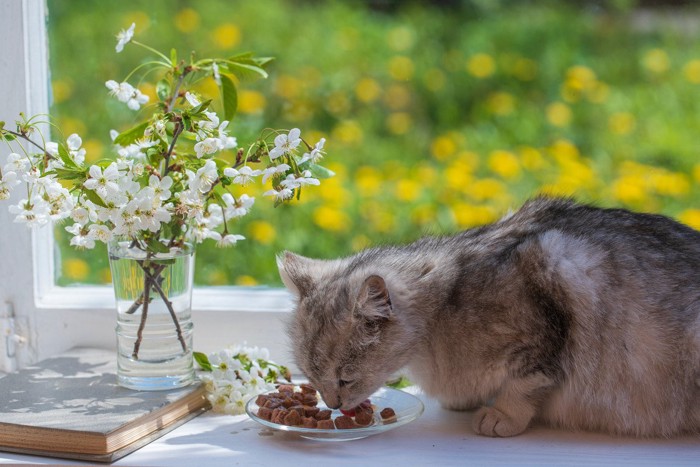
(331, 399)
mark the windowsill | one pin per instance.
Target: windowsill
(221, 298)
(438, 437)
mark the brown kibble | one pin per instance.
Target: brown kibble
(265, 413)
(285, 388)
(292, 418)
(344, 422)
(261, 400)
(388, 414)
(310, 399)
(298, 409)
(324, 414)
(288, 402)
(363, 417)
(278, 415)
(307, 389)
(310, 411)
(326, 424)
(272, 403)
(309, 422)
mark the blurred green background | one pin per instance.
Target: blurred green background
(439, 115)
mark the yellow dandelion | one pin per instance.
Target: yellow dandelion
(331, 219)
(333, 192)
(485, 189)
(397, 97)
(141, 18)
(481, 65)
(94, 150)
(75, 269)
(262, 232)
(563, 149)
(368, 181)
(360, 242)
(367, 90)
(187, 20)
(338, 103)
(669, 183)
(696, 173)
(408, 190)
(580, 77)
(401, 68)
(251, 102)
(656, 61)
(424, 214)
(105, 275)
(500, 103)
(226, 36)
(62, 90)
(399, 123)
(434, 79)
(459, 175)
(629, 189)
(246, 281)
(504, 163)
(691, 71)
(691, 218)
(524, 69)
(622, 123)
(287, 86)
(348, 132)
(469, 215)
(443, 147)
(559, 114)
(531, 158)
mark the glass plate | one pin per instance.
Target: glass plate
(407, 407)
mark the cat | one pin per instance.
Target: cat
(575, 316)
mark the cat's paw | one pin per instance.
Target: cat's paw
(489, 421)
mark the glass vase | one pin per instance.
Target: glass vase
(154, 326)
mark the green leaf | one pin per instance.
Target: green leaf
(319, 171)
(400, 383)
(202, 360)
(154, 244)
(132, 134)
(163, 89)
(230, 97)
(68, 174)
(65, 157)
(8, 137)
(95, 198)
(173, 57)
(200, 108)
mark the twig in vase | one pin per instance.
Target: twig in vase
(139, 301)
(144, 313)
(169, 305)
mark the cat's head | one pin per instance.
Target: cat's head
(344, 329)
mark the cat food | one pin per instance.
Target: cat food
(290, 407)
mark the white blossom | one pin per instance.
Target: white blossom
(124, 92)
(7, 182)
(204, 178)
(81, 237)
(286, 144)
(103, 183)
(280, 195)
(207, 146)
(225, 240)
(243, 176)
(124, 36)
(274, 170)
(316, 153)
(32, 212)
(161, 186)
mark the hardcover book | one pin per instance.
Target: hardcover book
(70, 406)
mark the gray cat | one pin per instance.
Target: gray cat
(579, 317)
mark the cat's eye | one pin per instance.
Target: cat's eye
(344, 382)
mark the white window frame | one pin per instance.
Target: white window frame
(53, 318)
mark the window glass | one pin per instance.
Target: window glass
(439, 115)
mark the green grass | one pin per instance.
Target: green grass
(436, 119)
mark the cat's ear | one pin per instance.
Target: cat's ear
(295, 272)
(374, 299)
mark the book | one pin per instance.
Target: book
(70, 406)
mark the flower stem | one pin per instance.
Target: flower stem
(169, 306)
(144, 313)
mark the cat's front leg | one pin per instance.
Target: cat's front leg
(514, 408)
